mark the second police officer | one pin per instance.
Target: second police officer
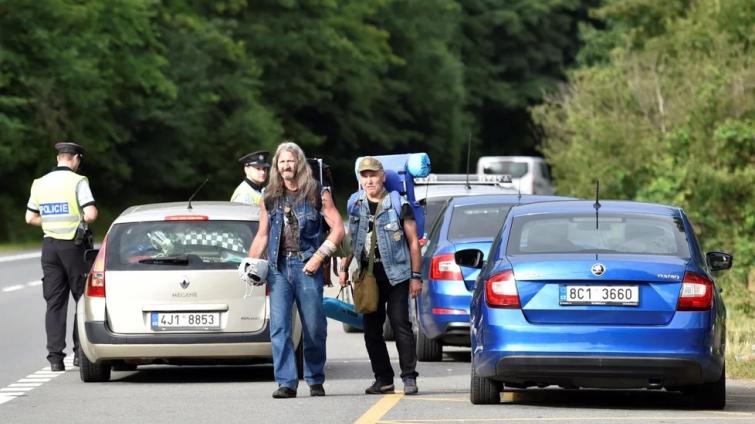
(256, 168)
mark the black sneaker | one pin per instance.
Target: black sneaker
(379, 388)
(410, 386)
(284, 392)
(316, 390)
(57, 366)
(76, 359)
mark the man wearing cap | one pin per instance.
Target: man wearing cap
(255, 168)
(61, 202)
(388, 239)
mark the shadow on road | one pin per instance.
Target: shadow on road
(171, 374)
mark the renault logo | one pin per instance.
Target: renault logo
(598, 269)
(184, 283)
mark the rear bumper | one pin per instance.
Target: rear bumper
(99, 343)
(688, 350)
(613, 372)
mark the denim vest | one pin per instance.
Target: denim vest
(310, 231)
(391, 240)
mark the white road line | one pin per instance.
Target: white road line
(34, 283)
(19, 257)
(23, 386)
(13, 288)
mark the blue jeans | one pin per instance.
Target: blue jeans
(288, 284)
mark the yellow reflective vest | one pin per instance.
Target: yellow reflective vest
(55, 194)
(244, 193)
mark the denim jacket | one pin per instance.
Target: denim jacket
(391, 240)
(310, 231)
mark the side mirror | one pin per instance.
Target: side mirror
(719, 261)
(90, 255)
(472, 258)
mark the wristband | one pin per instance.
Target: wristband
(417, 275)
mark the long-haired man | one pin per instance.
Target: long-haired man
(291, 229)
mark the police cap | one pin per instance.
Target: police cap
(256, 159)
(68, 147)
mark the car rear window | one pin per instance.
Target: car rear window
(515, 169)
(190, 244)
(433, 208)
(616, 233)
(476, 221)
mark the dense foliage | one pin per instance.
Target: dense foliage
(663, 110)
(164, 94)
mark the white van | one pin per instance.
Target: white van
(528, 173)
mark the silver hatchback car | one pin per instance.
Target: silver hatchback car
(164, 288)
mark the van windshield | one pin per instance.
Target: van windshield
(515, 169)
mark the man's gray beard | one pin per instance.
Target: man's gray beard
(288, 177)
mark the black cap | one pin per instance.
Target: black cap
(256, 159)
(68, 147)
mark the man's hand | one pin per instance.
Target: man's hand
(415, 287)
(313, 264)
(343, 278)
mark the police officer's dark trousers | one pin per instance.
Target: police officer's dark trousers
(64, 268)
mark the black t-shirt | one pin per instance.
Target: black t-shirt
(407, 212)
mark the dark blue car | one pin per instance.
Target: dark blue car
(615, 296)
(466, 222)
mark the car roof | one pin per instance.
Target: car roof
(214, 210)
(431, 191)
(513, 158)
(581, 206)
(505, 198)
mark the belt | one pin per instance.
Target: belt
(298, 254)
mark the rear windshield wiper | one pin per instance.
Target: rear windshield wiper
(166, 260)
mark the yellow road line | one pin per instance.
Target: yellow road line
(561, 419)
(379, 409)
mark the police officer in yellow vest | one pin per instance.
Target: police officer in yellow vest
(61, 202)
(256, 168)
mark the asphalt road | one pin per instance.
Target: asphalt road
(29, 393)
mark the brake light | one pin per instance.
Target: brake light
(696, 293)
(96, 277)
(501, 292)
(187, 218)
(444, 267)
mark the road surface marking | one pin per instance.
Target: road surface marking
(13, 288)
(31, 382)
(20, 257)
(374, 414)
(34, 283)
(656, 418)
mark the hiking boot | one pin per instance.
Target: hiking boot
(284, 392)
(316, 390)
(410, 386)
(379, 388)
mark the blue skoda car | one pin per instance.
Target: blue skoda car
(466, 222)
(607, 294)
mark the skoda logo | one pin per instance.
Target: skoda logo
(184, 283)
(598, 269)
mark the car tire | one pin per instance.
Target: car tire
(484, 391)
(709, 395)
(300, 358)
(388, 330)
(93, 372)
(428, 350)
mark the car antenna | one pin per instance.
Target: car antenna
(596, 205)
(197, 191)
(469, 150)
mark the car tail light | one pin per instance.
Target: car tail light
(444, 267)
(696, 293)
(500, 290)
(187, 218)
(96, 277)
